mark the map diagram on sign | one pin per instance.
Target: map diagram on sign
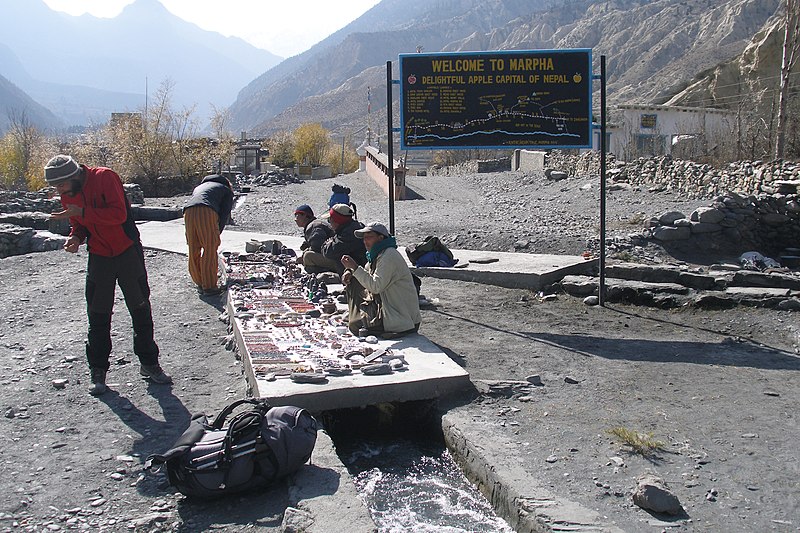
(528, 116)
(452, 102)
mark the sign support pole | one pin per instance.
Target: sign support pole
(390, 144)
(603, 148)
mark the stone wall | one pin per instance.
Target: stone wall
(473, 166)
(754, 204)
(690, 179)
(25, 224)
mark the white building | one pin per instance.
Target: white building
(648, 130)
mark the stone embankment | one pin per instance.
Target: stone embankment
(755, 203)
(26, 226)
(670, 286)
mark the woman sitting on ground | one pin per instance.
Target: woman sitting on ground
(387, 280)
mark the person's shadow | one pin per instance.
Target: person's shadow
(156, 435)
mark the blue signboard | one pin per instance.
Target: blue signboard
(508, 99)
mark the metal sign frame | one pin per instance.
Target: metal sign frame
(503, 99)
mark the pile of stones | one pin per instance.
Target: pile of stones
(268, 179)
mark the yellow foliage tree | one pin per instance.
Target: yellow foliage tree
(22, 155)
(342, 158)
(311, 143)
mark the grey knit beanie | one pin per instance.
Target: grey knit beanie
(60, 168)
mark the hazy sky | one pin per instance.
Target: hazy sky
(284, 27)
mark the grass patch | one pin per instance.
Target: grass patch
(641, 443)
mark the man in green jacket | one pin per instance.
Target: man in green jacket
(387, 279)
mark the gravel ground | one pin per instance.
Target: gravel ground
(718, 388)
(504, 211)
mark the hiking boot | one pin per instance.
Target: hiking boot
(98, 378)
(155, 374)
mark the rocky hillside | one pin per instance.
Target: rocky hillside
(652, 49)
(749, 79)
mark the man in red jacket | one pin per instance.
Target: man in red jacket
(94, 202)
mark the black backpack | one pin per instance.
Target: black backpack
(252, 450)
(429, 244)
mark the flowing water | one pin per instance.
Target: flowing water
(414, 485)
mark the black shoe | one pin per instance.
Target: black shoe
(98, 378)
(155, 374)
(216, 291)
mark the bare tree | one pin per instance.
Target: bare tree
(791, 50)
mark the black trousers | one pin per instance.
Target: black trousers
(102, 276)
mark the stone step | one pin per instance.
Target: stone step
(671, 295)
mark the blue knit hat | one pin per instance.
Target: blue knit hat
(305, 209)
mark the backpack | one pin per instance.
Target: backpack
(435, 258)
(430, 244)
(252, 450)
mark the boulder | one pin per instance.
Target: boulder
(652, 494)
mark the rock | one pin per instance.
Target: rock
(669, 217)
(571, 380)
(668, 233)
(535, 379)
(652, 494)
(707, 215)
(591, 300)
(555, 175)
(705, 227)
(148, 521)
(552, 459)
(60, 383)
(296, 520)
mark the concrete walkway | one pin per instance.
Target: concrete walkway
(513, 270)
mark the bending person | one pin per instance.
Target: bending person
(387, 281)
(94, 201)
(205, 215)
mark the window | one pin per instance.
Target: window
(650, 144)
(648, 121)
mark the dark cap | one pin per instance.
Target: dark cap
(305, 209)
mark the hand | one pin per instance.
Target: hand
(72, 244)
(71, 210)
(346, 277)
(349, 262)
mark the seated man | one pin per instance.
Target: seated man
(387, 280)
(344, 241)
(315, 233)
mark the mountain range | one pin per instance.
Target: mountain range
(83, 68)
(654, 50)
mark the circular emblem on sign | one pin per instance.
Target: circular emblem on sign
(577, 78)
(412, 79)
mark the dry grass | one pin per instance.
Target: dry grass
(640, 443)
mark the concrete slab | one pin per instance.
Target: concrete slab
(170, 236)
(430, 374)
(513, 270)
